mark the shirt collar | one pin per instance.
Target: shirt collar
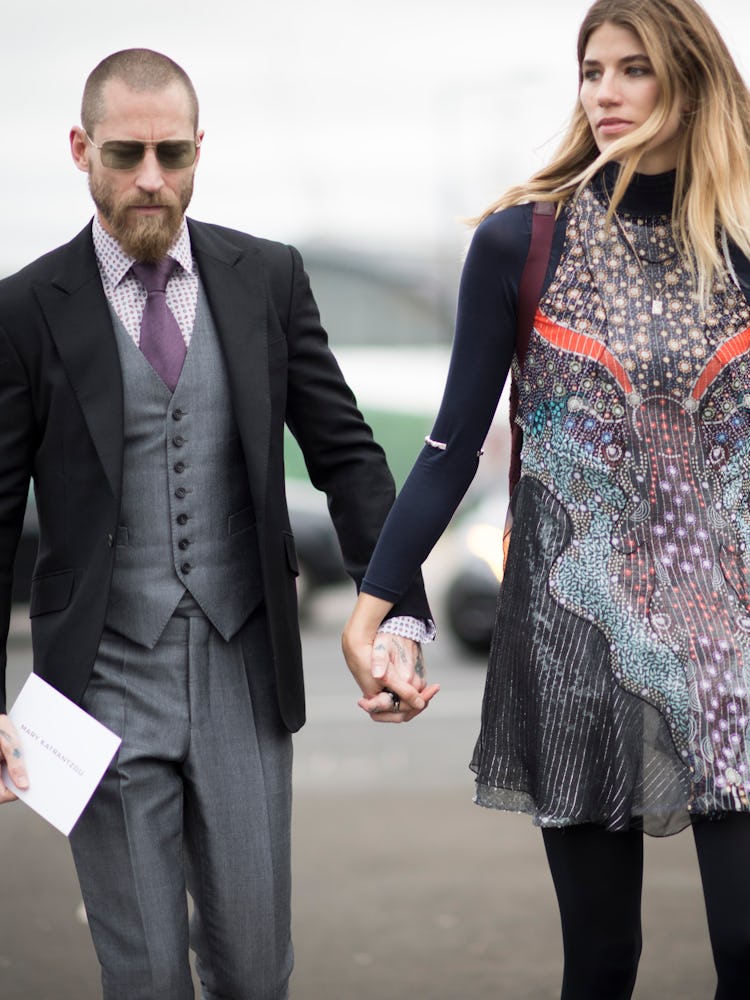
(115, 263)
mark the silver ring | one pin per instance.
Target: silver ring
(395, 701)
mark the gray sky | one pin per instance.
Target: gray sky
(374, 125)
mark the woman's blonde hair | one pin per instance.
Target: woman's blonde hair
(692, 64)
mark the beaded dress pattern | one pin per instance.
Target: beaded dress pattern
(623, 638)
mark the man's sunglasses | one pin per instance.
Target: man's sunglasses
(125, 154)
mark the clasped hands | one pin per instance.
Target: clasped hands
(389, 669)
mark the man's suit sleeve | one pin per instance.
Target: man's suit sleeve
(341, 456)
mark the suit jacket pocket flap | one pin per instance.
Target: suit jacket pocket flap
(50, 593)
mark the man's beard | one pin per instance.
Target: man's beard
(146, 239)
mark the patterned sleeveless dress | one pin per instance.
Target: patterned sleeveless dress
(618, 690)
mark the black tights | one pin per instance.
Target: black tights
(598, 878)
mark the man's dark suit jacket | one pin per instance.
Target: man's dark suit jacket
(61, 420)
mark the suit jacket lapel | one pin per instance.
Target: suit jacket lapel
(76, 310)
(235, 286)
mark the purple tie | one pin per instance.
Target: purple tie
(161, 341)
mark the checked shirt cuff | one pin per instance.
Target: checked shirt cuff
(410, 628)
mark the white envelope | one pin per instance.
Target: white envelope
(66, 753)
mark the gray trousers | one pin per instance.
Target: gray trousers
(198, 798)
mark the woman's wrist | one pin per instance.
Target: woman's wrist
(368, 614)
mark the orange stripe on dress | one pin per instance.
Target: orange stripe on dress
(587, 347)
(729, 351)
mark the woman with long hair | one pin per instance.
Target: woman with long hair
(617, 700)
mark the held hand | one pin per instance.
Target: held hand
(398, 663)
(11, 755)
(384, 676)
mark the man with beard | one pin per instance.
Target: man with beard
(147, 369)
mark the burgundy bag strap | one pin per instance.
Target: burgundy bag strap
(529, 293)
(534, 270)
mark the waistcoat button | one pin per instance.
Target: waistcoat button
(179, 466)
(184, 543)
(182, 519)
(178, 441)
(177, 414)
(180, 492)
(186, 567)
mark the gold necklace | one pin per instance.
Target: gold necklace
(657, 303)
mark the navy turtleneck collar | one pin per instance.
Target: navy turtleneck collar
(647, 194)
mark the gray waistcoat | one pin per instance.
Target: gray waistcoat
(187, 521)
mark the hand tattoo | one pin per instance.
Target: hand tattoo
(15, 752)
(419, 665)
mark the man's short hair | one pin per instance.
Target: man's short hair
(139, 69)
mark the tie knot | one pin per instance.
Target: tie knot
(154, 277)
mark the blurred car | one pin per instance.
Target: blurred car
(474, 583)
(318, 551)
